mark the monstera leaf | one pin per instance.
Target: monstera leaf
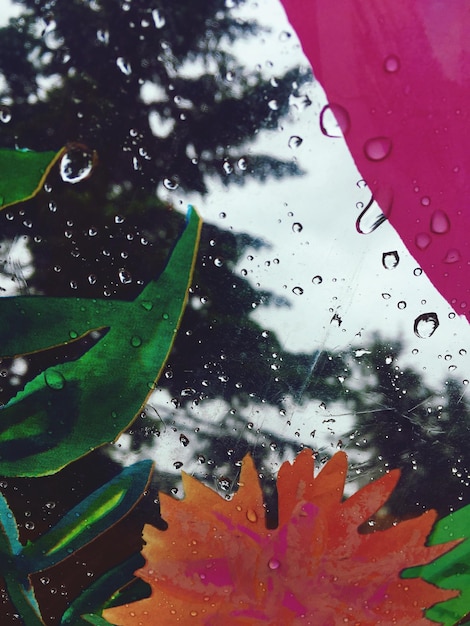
(75, 406)
(101, 510)
(218, 563)
(452, 570)
(23, 173)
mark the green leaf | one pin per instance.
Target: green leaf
(9, 538)
(93, 599)
(23, 173)
(451, 570)
(74, 407)
(94, 515)
(96, 620)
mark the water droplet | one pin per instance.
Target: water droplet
(251, 516)
(334, 120)
(102, 36)
(170, 183)
(228, 169)
(177, 465)
(378, 148)
(273, 105)
(5, 114)
(124, 66)
(392, 64)
(92, 279)
(425, 325)
(54, 379)
(125, 277)
(422, 240)
(136, 341)
(218, 262)
(317, 280)
(401, 305)
(158, 19)
(371, 217)
(242, 164)
(298, 291)
(417, 271)
(274, 563)
(76, 164)
(386, 296)
(440, 223)
(425, 200)
(390, 259)
(452, 256)
(184, 441)
(297, 227)
(294, 142)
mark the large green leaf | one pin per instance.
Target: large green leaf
(451, 570)
(23, 173)
(98, 512)
(73, 407)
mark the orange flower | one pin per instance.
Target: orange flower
(218, 564)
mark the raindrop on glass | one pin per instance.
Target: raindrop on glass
(124, 66)
(125, 277)
(425, 325)
(297, 227)
(390, 259)
(392, 64)
(294, 142)
(242, 165)
(371, 217)
(422, 240)
(170, 183)
(76, 165)
(5, 114)
(317, 280)
(452, 256)
(54, 379)
(158, 19)
(440, 223)
(378, 148)
(298, 291)
(334, 120)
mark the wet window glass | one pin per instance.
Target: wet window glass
(233, 275)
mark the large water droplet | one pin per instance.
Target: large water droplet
(170, 183)
(298, 291)
(452, 256)
(378, 148)
(425, 325)
(422, 240)
(54, 379)
(334, 120)
(76, 164)
(440, 223)
(392, 64)
(125, 276)
(297, 227)
(390, 259)
(371, 217)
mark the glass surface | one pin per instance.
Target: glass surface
(308, 324)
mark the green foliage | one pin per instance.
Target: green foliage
(86, 521)
(23, 173)
(451, 570)
(73, 407)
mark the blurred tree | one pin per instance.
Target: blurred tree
(404, 423)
